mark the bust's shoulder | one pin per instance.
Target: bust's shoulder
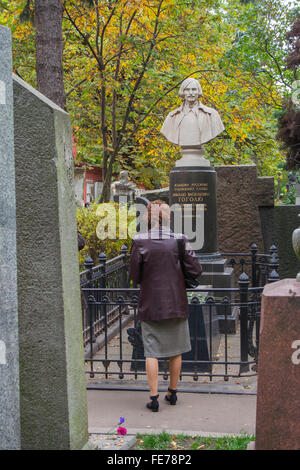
(175, 111)
(208, 110)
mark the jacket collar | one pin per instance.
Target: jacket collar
(164, 231)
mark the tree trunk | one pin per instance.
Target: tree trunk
(105, 195)
(49, 50)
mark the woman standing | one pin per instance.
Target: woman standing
(163, 305)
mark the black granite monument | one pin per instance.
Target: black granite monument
(191, 186)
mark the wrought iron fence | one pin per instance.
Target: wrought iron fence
(109, 304)
(111, 273)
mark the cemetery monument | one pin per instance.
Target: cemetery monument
(193, 183)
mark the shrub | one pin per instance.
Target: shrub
(88, 219)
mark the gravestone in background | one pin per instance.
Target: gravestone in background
(9, 348)
(240, 195)
(297, 194)
(52, 382)
(276, 222)
(123, 191)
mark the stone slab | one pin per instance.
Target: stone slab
(52, 380)
(223, 280)
(217, 266)
(278, 224)
(278, 398)
(240, 193)
(9, 347)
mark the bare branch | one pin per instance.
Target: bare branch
(104, 28)
(76, 86)
(114, 100)
(98, 27)
(277, 65)
(139, 78)
(84, 36)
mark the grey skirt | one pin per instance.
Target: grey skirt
(166, 338)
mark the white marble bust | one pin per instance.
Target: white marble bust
(192, 124)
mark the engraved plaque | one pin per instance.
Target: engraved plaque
(194, 191)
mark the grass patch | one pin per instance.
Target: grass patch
(164, 441)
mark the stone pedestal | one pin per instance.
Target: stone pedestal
(205, 338)
(9, 347)
(278, 397)
(192, 156)
(216, 273)
(189, 187)
(52, 381)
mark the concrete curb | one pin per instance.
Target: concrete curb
(113, 442)
(173, 432)
(183, 387)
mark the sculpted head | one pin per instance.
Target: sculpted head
(190, 84)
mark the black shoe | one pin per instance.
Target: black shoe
(153, 405)
(172, 399)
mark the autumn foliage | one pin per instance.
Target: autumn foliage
(123, 63)
(289, 123)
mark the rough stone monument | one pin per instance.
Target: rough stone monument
(52, 382)
(278, 398)
(9, 347)
(193, 182)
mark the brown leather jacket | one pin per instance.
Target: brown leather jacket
(155, 265)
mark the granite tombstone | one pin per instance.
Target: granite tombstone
(52, 380)
(9, 347)
(278, 399)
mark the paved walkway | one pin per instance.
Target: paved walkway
(195, 413)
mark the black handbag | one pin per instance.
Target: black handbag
(190, 281)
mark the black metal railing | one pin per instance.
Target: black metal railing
(111, 273)
(110, 304)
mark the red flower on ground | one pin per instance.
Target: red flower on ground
(121, 431)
